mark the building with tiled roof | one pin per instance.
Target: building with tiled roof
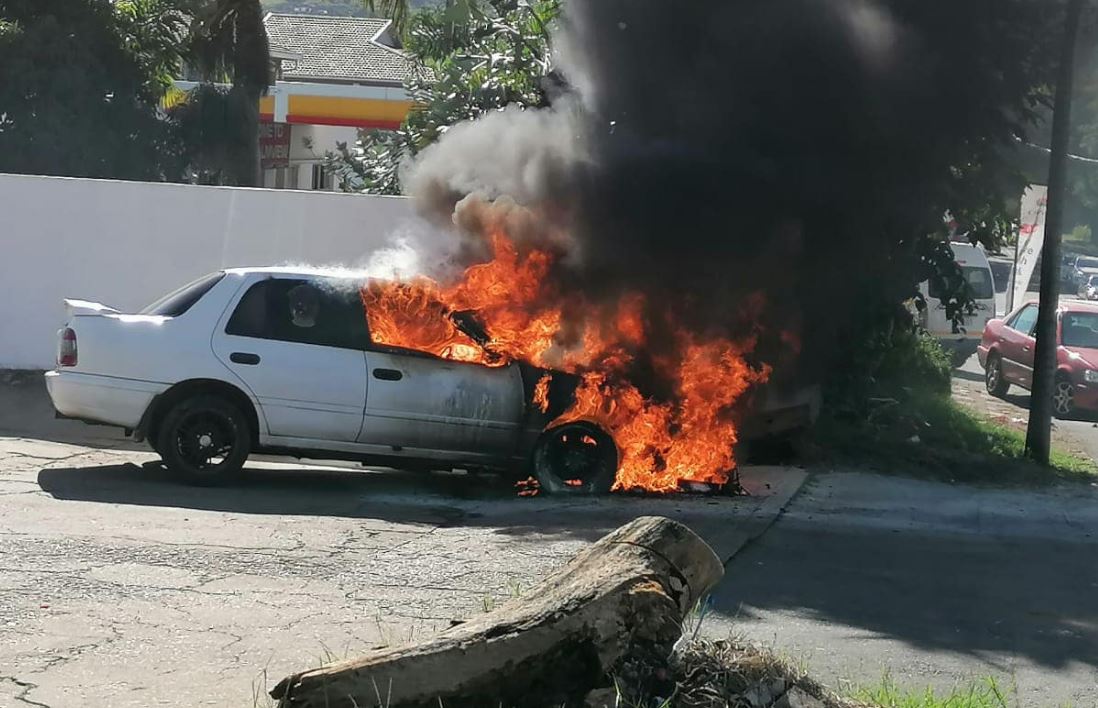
(339, 49)
(334, 76)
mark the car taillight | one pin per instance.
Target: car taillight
(66, 347)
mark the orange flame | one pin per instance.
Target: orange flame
(661, 443)
(541, 393)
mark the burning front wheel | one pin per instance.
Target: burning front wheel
(575, 458)
(204, 439)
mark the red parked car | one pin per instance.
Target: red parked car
(1006, 353)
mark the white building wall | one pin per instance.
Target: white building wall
(126, 243)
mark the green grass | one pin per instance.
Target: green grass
(931, 435)
(986, 694)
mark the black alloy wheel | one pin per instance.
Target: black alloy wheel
(204, 440)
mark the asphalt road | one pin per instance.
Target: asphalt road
(937, 585)
(934, 584)
(121, 588)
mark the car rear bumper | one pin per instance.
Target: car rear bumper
(959, 347)
(100, 399)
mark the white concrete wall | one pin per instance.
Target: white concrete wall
(126, 243)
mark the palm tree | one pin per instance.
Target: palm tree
(228, 44)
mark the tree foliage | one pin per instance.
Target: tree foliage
(471, 57)
(80, 90)
(84, 82)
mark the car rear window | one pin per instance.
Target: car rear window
(176, 303)
(977, 277)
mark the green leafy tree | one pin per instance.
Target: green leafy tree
(79, 92)
(472, 57)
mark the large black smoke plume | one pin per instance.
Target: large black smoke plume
(746, 163)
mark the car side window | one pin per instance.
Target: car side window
(301, 311)
(1025, 320)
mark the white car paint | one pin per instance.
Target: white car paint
(307, 397)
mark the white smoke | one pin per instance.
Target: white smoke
(399, 260)
(524, 154)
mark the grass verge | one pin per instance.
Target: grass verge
(930, 435)
(986, 694)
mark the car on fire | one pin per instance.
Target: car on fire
(280, 361)
(1007, 348)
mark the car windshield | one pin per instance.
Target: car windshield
(176, 303)
(1087, 263)
(1080, 329)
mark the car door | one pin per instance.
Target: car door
(299, 346)
(1017, 346)
(420, 401)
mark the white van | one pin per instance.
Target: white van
(961, 339)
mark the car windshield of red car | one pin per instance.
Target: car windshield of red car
(1081, 329)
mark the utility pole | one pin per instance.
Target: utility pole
(1038, 442)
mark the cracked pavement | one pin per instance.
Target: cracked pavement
(120, 587)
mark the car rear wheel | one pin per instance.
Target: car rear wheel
(575, 458)
(993, 377)
(1063, 398)
(204, 439)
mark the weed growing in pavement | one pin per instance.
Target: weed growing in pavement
(985, 694)
(260, 697)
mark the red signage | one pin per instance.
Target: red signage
(274, 145)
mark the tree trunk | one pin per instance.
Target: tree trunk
(620, 601)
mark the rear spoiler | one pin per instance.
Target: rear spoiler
(86, 307)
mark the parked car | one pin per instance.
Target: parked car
(280, 361)
(1007, 347)
(961, 338)
(1088, 290)
(1084, 267)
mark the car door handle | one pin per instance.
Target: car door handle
(388, 374)
(244, 358)
(1025, 349)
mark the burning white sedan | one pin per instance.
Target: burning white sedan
(281, 361)
(491, 371)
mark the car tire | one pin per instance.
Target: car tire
(1063, 397)
(994, 382)
(204, 440)
(575, 458)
